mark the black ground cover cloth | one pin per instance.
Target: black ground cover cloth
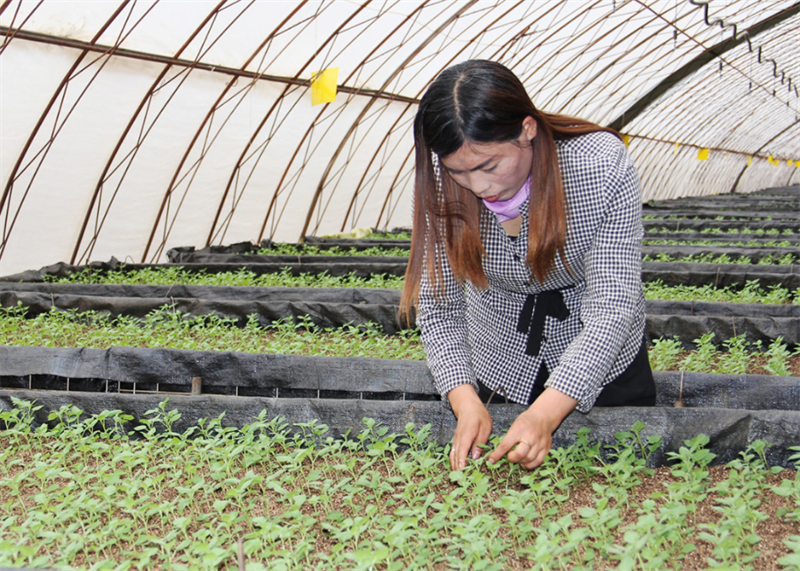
(322, 306)
(327, 264)
(186, 252)
(284, 260)
(654, 230)
(671, 273)
(223, 372)
(787, 195)
(727, 212)
(722, 275)
(730, 431)
(733, 411)
(699, 225)
(754, 253)
(794, 239)
(766, 204)
(793, 190)
(336, 307)
(358, 244)
(342, 265)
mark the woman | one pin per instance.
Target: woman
(525, 264)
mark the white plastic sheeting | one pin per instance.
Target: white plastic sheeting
(129, 127)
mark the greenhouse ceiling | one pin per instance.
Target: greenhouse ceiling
(131, 127)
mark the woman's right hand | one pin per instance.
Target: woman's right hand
(474, 425)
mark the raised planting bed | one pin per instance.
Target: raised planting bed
(396, 265)
(716, 259)
(754, 254)
(166, 328)
(723, 239)
(215, 496)
(761, 204)
(712, 213)
(281, 261)
(361, 267)
(733, 411)
(793, 190)
(722, 275)
(358, 244)
(788, 197)
(688, 320)
(332, 247)
(341, 306)
(668, 273)
(755, 248)
(743, 226)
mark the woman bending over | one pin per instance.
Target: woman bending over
(525, 264)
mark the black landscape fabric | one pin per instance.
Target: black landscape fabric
(347, 374)
(726, 225)
(730, 431)
(671, 273)
(336, 307)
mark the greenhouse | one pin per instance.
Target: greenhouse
(214, 215)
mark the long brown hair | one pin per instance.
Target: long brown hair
(484, 102)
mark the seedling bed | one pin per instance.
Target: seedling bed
(358, 244)
(733, 411)
(143, 370)
(250, 253)
(216, 497)
(786, 196)
(396, 266)
(765, 204)
(696, 236)
(361, 266)
(793, 190)
(700, 225)
(753, 253)
(713, 213)
(670, 273)
(325, 310)
(688, 321)
(340, 306)
(266, 247)
(282, 260)
(722, 275)
(730, 431)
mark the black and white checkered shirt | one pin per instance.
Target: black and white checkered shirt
(470, 333)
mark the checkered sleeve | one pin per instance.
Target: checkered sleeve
(613, 302)
(443, 329)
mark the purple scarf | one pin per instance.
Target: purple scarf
(509, 209)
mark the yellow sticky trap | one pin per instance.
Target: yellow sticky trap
(770, 159)
(324, 85)
(749, 160)
(675, 150)
(702, 154)
(626, 139)
(790, 162)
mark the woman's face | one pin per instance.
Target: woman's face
(493, 171)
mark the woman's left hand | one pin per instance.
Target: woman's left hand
(530, 437)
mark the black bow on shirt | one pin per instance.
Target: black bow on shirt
(532, 316)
